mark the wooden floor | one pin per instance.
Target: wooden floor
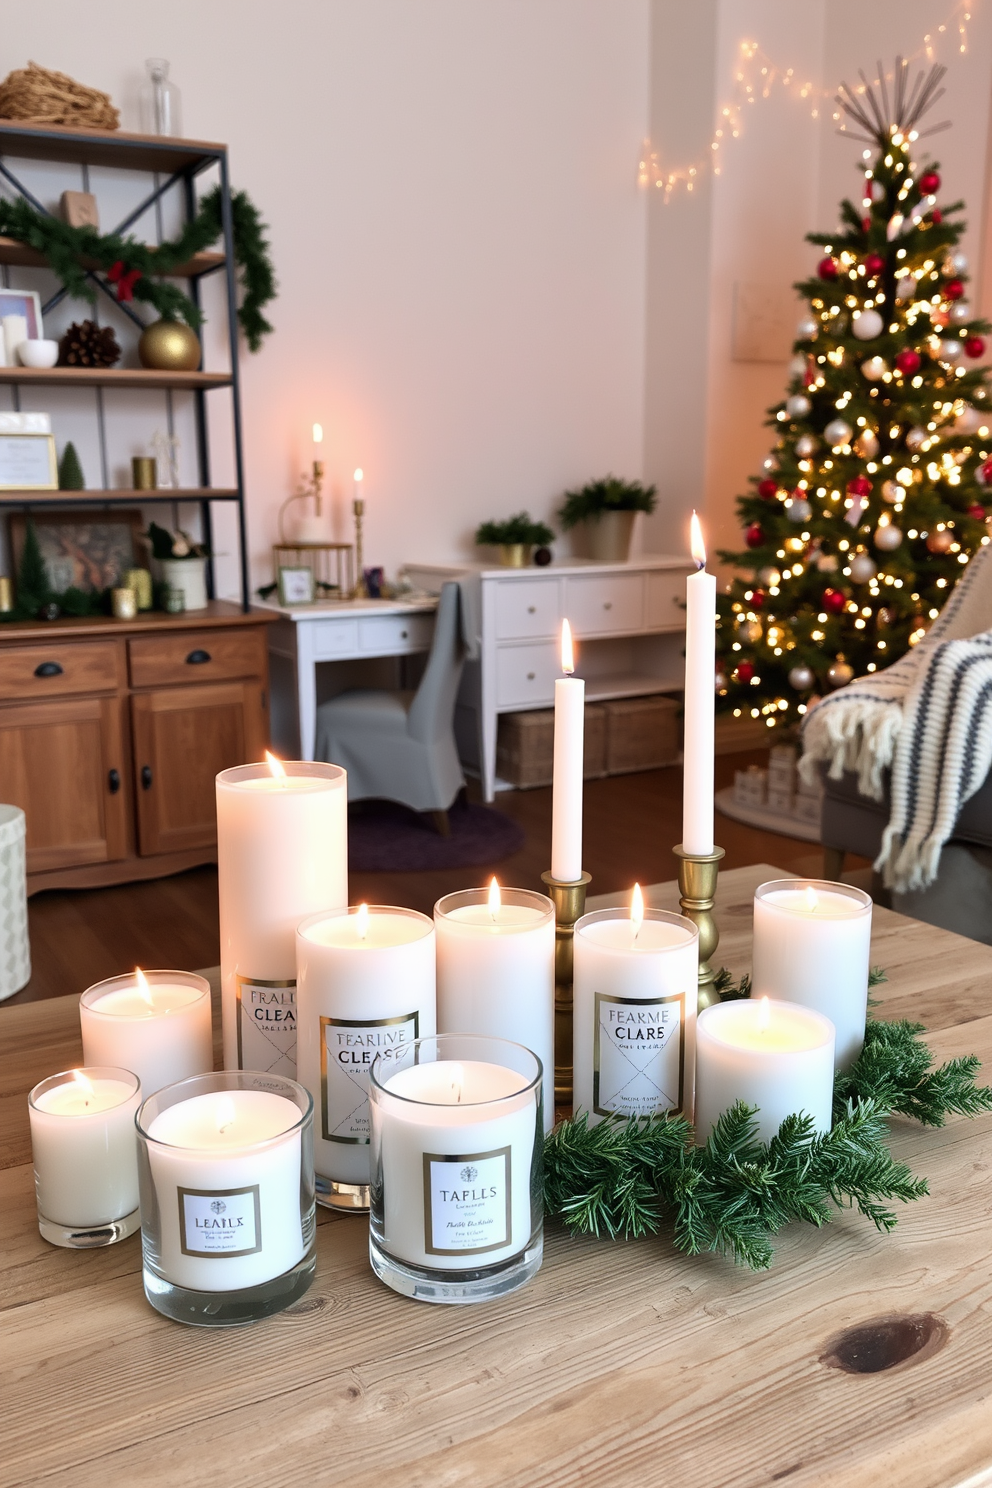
(632, 822)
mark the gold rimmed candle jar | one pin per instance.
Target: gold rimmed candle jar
(156, 1023)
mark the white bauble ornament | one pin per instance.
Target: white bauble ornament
(894, 226)
(838, 431)
(798, 510)
(906, 287)
(958, 261)
(797, 366)
(888, 538)
(874, 369)
(806, 446)
(798, 406)
(826, 562)
(916, 438)
(960, 312)
(840, 673)
(867, 445)
(875, 190)
(807, 329)
(951, 351)
(863, 568)
(868, 325)
(770, 577)
(892, 492)
(801, 678)
(969, 420)
(719, 681)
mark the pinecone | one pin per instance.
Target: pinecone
(85, 344)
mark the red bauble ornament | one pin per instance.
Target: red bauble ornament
(937, 217)
(874, 264)
(977, 511)
(767, 489)
(866, 223)
(975, 346)
(809, 376)
(833, 601)
(954, 289)
(984, 473)
(827, 268)
(929, 183)
(754, 536)
(757, 598)
(859, 486)
(744, 671)
(907, 361)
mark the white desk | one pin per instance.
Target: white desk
(336, 630)
(629, 620)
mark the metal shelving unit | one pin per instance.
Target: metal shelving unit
(175, 164)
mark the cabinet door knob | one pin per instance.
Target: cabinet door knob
(532, 609)
(48, 669)
(113, 781)
(607, 604)
(404, 634)
(198, 657)
(146, 777)
(530, 676)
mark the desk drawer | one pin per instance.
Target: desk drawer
(56, 670)
(526, 675)
(665, 604)
(605, 604)
(333, 639)
(196, 656)
(393, 635)
(525, 608)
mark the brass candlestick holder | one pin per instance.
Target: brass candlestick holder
(697, 890)
(569, 900)
(358, 507)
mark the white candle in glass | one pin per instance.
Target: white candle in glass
(700, 672)
(365, 986)
(634, 995)
(155, 1023)
(777, 1056)
(566, 801)
(282, 854)
(812, 943)
(496, 971)
(84, 1150)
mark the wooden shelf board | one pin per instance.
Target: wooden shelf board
(605, 689)
(114, 147)
(117, 496)
(217, 612)
(111, 377)
(19, 254)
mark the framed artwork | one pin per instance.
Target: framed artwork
(90, 550)
(296, 586)
(24, 302)
(28, 463)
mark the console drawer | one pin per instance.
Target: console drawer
(605, 604)
(196, 656)
(56, 670)
(525, 608)
(526, 675)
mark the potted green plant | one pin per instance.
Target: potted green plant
(182, 564)
(516, 538)
(604, 511)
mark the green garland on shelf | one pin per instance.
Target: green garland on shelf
(624, 1178)
(70, 250)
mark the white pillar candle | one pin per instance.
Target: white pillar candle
(777, 1056)
(15, 333)
(85, 1156)
(634, 993)
(155, 1023)
(220, 1169)
(282, 854)
(566, 800)
(496, 971)
(812, 942)
(454, 1146)
(700, 672)
(365, 986)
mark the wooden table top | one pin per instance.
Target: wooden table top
(620, 1364)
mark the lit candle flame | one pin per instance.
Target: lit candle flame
(696, 544)
(85, 1084)
(225, 1113)
(567, 652)
(275, 765)
(812, 902)
(143, 988)
(318, 434)
(362, 921)
(636, 911)
(764, 1014)
(495, 902)
(359, 475)
(457, 1079)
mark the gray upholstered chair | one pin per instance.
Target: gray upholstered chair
(400, 746)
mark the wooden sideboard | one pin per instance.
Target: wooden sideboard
(111, 734)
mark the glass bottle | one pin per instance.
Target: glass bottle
(160, 101)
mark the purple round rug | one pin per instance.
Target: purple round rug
(384, 837)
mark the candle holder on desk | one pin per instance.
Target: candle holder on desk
(358, 507)
(570, 905)
(697, 890)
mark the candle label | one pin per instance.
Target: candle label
(347, 1049)
(221, 1222)
(467, 1202)
(638, 1055)
(267, 1026)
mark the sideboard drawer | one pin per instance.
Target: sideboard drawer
(58, 669)
(526, 675)
(605, 603)
(525, 608)
(196, 656)
(392, 635)
(666, 600)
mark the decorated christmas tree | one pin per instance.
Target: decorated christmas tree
(877, 489)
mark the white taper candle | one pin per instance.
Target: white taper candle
(700, 670)
(566, 807)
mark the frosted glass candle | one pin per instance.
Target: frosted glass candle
(161, 1030)
(457, 1135)
(282, 854)
(777, 1056)
(365, 986)
(496, 972)
(85, 1156)
(226, 1170)
(812, 942)
(634, 1013)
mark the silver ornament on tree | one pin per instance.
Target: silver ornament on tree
(958, 261)
(798, 509)
(906, 287)
(970, 420)
(951, 351)
(916, 438)
(960, 313)
(750, 630)
(867, 445)
(874, 369)
(807, 329)
(838, 432)
(806, 446)
(797, 366)
(892, 492)
(868, 325)
(887, 537)
(840, 673)
(719, 681)
(798, 405)
(801, 678)
(770, 577)
(863, 568)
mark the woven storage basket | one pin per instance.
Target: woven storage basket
(526, 741)
(15, 952)
(641, 734)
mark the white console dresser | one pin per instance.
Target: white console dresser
(628, 618)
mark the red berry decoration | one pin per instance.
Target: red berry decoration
(833, 601)
(937, 217)
(757, 598)
(767, 489)
(744, 671)
(866, 223)
(754, 536)
(984, 473)
(827, 268)
(954, 289)
(874, 264)
(977, 511)
(929, 183)
(859, 486)
(907, 361)
(975, 346)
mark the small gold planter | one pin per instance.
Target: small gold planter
(514, 555)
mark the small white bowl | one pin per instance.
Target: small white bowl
(38, 353)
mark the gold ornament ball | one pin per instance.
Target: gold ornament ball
(840, 673)
(939, 542)
(169, 346)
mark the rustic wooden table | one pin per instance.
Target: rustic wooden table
(621, 1364)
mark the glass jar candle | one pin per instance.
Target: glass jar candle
(156, 1023)
(85, 1156)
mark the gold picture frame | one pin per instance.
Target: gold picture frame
(28, 463)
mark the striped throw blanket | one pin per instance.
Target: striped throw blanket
(928, 718)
